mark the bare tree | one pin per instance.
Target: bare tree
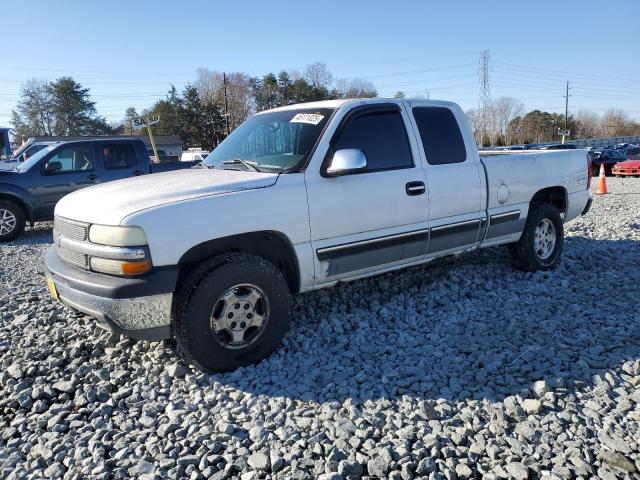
(318, 75)
(587, 124)
(616, 123)
(240, 101)
(503, 111)
(475, 121)
(355, 88)
(34, 112)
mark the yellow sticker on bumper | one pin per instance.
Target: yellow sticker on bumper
(52, 289)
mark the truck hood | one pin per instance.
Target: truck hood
(111, 202)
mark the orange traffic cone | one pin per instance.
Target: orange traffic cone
(602, 182)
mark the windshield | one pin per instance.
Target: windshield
(35, 158)
(271, 142)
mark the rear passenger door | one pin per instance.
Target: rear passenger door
(119, 160)
(456, 189)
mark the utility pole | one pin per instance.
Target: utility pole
(226, 107)
(565, 134)
(427, 94)
(484, 102)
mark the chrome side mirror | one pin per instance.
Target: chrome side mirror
(347, 161)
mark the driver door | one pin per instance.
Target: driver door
(77, 170)
(374, 218)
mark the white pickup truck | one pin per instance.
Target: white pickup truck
(296, 199)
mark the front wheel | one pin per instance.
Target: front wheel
(540, 245)
(12, 221)
(231, 311)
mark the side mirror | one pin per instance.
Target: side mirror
(346, 161)
(52, 167)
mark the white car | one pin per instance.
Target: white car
(299, 198)
(193, 155)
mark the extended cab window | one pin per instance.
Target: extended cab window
(440, 135)
(382, 137)
(118, 155)
(73, 159)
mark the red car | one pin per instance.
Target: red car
(630, 167)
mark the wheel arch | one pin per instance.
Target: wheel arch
(19, 202)
(271, 245)
(556, 196)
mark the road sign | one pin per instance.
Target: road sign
(147, 122)
(143, 122)
(564, 132)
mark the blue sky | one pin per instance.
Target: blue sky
(128, 53)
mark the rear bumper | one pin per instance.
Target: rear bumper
(631, 172)
(136, 307)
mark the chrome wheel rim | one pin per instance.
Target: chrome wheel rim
(7, 221)
(544, 239)
(239, 315)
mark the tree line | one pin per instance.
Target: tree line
(507, 123)
(216, 103)
(62, 107)
(201, 114)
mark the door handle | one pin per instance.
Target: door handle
(137, 172)
(92, 176)
(415, 188)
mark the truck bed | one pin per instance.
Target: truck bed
(524, 171)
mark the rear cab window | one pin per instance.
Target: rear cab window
(440, 135)
(118, 155)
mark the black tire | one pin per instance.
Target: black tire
(15, 214)
(523, 253)
(200, 293)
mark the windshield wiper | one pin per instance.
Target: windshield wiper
(251, 166)
(202, 164)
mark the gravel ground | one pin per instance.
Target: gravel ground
(459, 369)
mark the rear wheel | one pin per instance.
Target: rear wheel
(12, 221)
(540, 245)
(231, 311)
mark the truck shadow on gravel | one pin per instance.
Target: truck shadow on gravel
(463, 328)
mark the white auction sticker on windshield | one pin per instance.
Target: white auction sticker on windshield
(312, 118)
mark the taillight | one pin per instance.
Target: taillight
(589, 171)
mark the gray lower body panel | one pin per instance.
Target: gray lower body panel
(358, 256)
(145, 318)
(456, 235)
(505, 224)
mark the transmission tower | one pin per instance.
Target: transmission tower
(484, 102)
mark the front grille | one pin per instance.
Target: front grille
(71, 230)
(74, 258)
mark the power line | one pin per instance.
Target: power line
(413, 72)
(573, 74)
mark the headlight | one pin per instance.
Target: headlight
(117, 236)
(120, 267)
